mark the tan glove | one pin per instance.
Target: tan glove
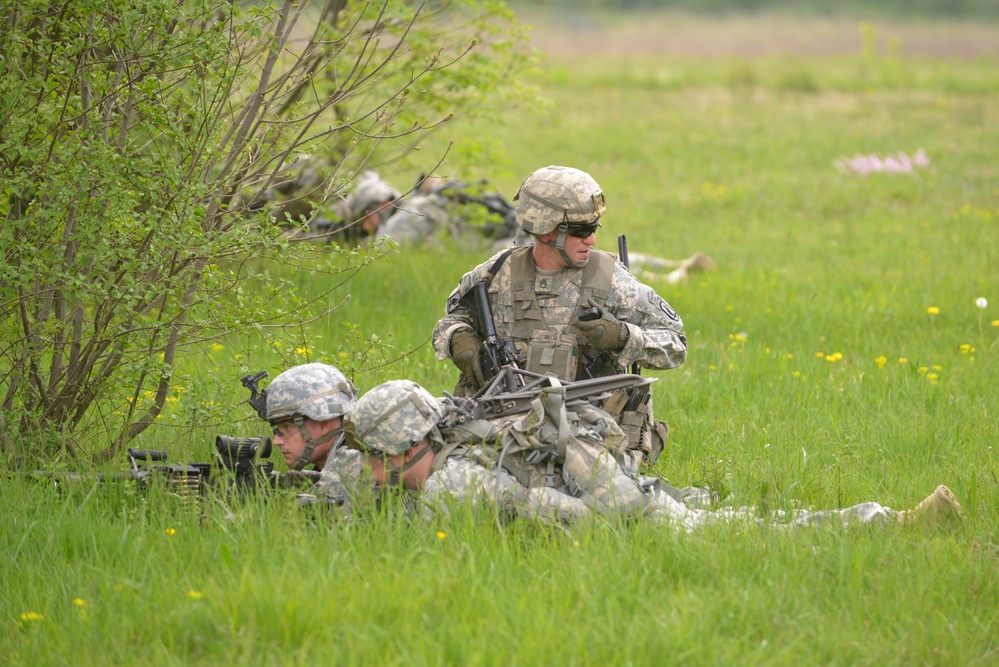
(604, 333)
(465, 346)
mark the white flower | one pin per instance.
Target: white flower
(982, 302)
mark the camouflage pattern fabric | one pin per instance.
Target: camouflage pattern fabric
(370, 190)
(465, 479)
(655, 330)
(342, 473)
(391, 418)
(317, 391)
(419, 218)
(554, 195)
(585, 477)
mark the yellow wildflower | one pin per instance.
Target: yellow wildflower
(903, 360)
(937, 368)
(932, 377)
(820, 355)
(790, 356)
(881, 361)
(712, 367)
(441, 535)
(195, 595)
(922, 369)
(79, 602)
(171, 531)
(301, 351)
(995, 323)
(932, 310)
(217, 347)
(31, 616)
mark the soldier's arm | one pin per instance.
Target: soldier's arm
(655, 331)
(457, 316)
(469, 481)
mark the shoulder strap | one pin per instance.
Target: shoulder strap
(598, 275)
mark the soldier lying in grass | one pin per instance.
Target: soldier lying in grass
(556, 463)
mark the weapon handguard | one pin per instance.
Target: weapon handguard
(495, 401)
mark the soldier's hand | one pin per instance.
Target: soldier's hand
(605, 332)
(465, 346)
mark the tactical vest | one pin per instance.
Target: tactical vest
(564, 355)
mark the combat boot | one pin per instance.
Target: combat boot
(939, 507)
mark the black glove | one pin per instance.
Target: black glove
(606, 332)
(465, 346)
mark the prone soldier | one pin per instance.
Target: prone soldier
(305, 405)
(559, 461)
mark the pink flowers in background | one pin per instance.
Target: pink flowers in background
(896, 163)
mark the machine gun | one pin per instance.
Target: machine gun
(237, 467)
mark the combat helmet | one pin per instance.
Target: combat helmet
(553, 198)
(370, 191)
(391, 418)
(315, 391)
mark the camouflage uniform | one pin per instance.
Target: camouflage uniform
(556, 463)
(463, 477)
(418, 218)
(539, 310)
(430, 212)
(551, 302)
(449, 208)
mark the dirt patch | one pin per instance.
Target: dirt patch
(567, 34)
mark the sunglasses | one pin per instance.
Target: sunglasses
(582, 231)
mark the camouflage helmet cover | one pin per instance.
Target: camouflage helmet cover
(370, 191)
(317, 391)
(555, 195)
(391, 418)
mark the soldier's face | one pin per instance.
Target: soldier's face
(289, 439)
(577, 248)
(374, 216)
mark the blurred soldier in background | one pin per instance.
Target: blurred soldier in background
(555, 463)
(374, 209)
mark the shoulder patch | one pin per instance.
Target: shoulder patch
(453, 300)
(660, 304)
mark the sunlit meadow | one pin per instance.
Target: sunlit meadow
(844, 349)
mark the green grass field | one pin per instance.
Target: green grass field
(837, 355)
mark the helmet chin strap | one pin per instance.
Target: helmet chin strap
(395, 472)
(559, 244)
(310, 444)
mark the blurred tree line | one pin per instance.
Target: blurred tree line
(901, 9)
